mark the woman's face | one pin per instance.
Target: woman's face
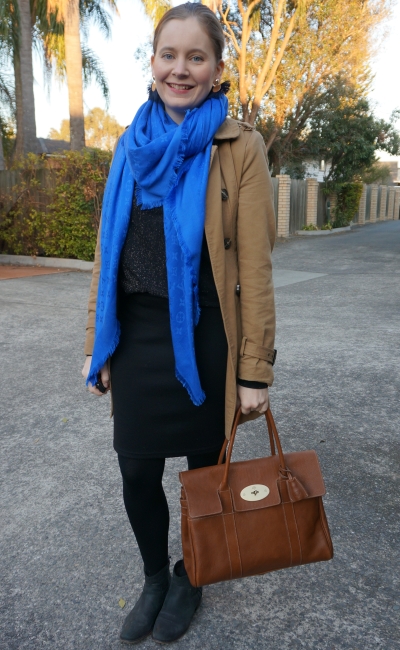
(184, 66)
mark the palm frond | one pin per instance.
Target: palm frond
(94, 11)
(93, 71)
(9, 26)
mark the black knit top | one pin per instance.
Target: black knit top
(143, 260)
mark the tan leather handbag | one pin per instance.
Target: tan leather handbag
(254, 516)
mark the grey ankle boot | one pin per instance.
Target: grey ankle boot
(178, 609)
(140, 620)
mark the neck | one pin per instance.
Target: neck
(176, 116)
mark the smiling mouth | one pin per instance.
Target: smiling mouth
(179, 86)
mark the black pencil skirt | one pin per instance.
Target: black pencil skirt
(153, 414)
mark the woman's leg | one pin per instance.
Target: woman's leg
(147, 509)
(148, 514)
(182, 599)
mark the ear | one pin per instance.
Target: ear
(219, 69)
(151, 62)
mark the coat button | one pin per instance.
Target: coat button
(224, 194)
(238, 289)
(227, 243)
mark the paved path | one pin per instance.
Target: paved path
(67, 554)
(12, 271)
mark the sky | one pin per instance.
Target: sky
(132, 29)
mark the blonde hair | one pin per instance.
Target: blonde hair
(206, 18)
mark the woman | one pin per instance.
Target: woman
(181, 304)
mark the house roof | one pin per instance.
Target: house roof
(47, 145)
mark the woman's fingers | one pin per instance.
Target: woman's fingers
(94, 390)
(104, 377)
(253, 399)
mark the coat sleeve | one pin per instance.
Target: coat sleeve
(90, 325)
(255, 240)
(94, 286)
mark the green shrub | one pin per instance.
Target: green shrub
(54, 210)
(310, 226)
(348, 200)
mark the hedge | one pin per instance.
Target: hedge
(54, 209)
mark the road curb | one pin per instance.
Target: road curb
(53, 262)
(334, 231)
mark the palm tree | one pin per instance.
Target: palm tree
(7, 104)
(78, 63)
(73, 64)
(7, 96)
(16, 47)
(23, 68)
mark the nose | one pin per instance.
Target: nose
(180, 69)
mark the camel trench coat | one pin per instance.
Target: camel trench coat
(240, 232)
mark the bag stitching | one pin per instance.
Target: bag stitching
(297, 533)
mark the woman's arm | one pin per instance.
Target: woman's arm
(90, 325)
(255, 239)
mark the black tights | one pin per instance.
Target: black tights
(147, 507)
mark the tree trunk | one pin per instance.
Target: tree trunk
(73, 61)
(254, 112)
(2, 161)
(275, 162)
(23, 71)
(211, 4)
(271, 139)
(245, 112)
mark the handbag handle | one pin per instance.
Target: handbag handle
(273, 435)
(234, 426)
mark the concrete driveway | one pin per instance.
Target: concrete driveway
(67, 553)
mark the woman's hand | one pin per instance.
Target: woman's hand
(252, 399)
(104, 374)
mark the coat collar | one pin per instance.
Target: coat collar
(229, 130)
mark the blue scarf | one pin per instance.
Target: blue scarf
(169, 164)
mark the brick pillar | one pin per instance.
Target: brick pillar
(374, 203)
(332, 198)
(396, 214)
(362, 208)
(382, 209)
(391, 192)
(283, 205)
(312, 201)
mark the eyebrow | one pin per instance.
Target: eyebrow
(172, 49)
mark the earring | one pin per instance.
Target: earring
(153, 85)
(216, 86)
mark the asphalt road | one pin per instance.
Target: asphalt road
(67, 553)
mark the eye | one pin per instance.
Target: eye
(197, 58)
(167, 56)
